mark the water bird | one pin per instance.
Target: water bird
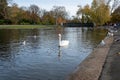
(110, 34)
(115, 31)
(62, 42)
(112, 30)
(116, 40)
(34, 36)
(102, 43)
(24, 42)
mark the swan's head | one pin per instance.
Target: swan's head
(59, 35)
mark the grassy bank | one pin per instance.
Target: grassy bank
(26, 26)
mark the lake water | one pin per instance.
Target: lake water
(41, 58)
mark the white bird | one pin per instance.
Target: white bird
(102, 43)
(62, 42)
(110, 34)
(24, 42)
(34, 36)
(116, 40)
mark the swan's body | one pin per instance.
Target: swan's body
(62, 42)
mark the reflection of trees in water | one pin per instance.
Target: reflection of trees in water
(93, 35)
(11, 38)
(8, 37)
(59, 29)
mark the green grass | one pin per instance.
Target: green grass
(26, 26)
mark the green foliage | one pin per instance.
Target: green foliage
(48, 18)
(3, 9)
(116, 15)
(24, 22)
(5, 21)
(98, 13)
(75, 19)
(29, 15)
(101, 14)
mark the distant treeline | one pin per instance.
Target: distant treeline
(100, 12)
(31, 15)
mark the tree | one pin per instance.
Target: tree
(34, 13)
(59, 12)
(24, 16)
(48, 18)
(14, 13)
(98, 13)
(115, 4)
(85, 13)
(75, 19)
(116, 15)
(3, 9)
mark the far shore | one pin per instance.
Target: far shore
(40, 27)
(27, 26)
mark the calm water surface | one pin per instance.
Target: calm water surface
(41, 58)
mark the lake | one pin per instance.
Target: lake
(40, 58)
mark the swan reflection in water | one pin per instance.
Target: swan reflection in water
(59, 52)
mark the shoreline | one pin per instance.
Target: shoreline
(91, 67)
(27, 26)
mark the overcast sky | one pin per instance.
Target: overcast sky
(70, 5)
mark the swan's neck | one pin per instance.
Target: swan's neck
(59, 40)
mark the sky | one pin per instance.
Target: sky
(70, 5)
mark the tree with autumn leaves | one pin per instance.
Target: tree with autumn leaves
(99, 13)
(31, 15)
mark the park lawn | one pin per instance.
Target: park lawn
(26, 26)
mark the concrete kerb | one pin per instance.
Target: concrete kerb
(91, 67)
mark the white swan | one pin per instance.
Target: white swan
(62, 42)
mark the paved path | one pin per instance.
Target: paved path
(111, 69)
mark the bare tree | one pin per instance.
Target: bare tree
(115, 4)
(3, 8)
(108, 1)
(34, 12)
(59, 11)
(34, 9)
